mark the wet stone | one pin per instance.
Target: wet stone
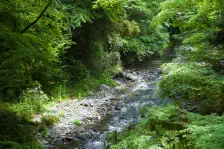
(84, 104)
(114, 99)
(69, 138)
(117, 108)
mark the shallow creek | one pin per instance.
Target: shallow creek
(116, 108)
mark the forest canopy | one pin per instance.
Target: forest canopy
(66, 41)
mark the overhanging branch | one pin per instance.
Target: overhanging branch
(35, 21)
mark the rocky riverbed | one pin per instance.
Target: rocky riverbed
(84, 124)
(107, 110)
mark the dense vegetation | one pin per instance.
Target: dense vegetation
(51, 50)
(194, 81)
(172, 128)
(57, 49)
(198, 74)
(57, 44)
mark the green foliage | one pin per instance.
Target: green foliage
(43, 130)
(43, 53)
(77, 70)
(32, 101)
(14, 145)
(172, 128)
(129, 28)
(158, 127)
(196, 77)
(199, 78)
(78, 12)
(16, 131)
(193, 82)
(106, 4)
(113, 9)
(34, 53)
(62, 114)
(200, 29)
(100, 60)
(76, 122)
(133, 141)
(50, 120)
(144, 38)
(84, 87)
(206, 131)
(75, 46)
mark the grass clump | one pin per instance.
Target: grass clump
(43, 130)
(76, 122)
(62, 114)
(50, 120)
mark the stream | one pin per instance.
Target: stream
(127, 110)
(117, 108)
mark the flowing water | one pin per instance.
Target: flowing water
(138, 94)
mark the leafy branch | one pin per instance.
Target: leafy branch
(35, 21)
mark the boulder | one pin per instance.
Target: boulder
(117, 107)
(131, 77)
(159, 71)
(69, 138)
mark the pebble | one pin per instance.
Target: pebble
(84, 104)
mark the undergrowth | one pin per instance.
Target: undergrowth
(172, 128)
(50, 120)
(17, 129)
(192, 82)
(84, 87)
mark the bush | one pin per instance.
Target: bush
(77, 70)
(85, 86)
(206, 131)
(32, 101)
(16, 132)
(193, 82)
(172, 128)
